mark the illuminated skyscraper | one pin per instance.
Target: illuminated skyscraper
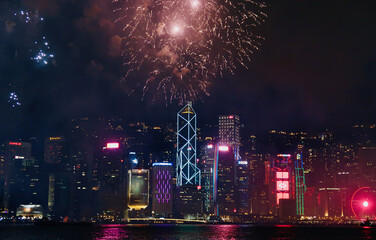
(112, 180)
(22, 183)
(54, 151)
(329, 204)
(224, 191)
(300, 186)
(139, 137)
(207, 166)
(281, 184)
(186, 165)
(162, 189)
(242, 182)
(81, 157)
(138, 189)
(229, 128)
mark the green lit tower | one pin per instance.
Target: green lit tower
(300, 186)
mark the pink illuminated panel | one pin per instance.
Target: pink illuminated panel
(231, 117)
(163, 194)
(282, 175)
(112, 145)
(223, 148)
(282, 196)
(282, 185)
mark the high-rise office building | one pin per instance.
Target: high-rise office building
(224, 181)
(188, 201)
(330, 204)
(229, 135)
(59, 176)
(55, 150)
(81, 157)
(187, 172)
(300, 186)
(243, 200)
(229, 128)
(162, 189)
(367, 165)
(139, 145)
(112, 181)
(281, 181)
(138, 189)
(207, 167)
(311, 201)
(22, 176)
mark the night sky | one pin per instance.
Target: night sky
(315, 69)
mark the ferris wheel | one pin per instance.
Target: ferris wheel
(363, 203)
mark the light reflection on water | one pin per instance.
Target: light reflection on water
(110, 232)
(181, 232)
(185, 232)
(367, 233)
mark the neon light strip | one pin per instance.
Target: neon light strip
(215, 177)
(162, 164)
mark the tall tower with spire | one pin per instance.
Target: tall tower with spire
(187, 172)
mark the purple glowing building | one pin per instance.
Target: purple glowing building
(162, 189)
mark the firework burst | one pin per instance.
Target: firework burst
(28, 16)
(185, 44)
(13, 100)
(41, 52)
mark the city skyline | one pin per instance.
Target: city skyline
(112, 168)
(235, 118)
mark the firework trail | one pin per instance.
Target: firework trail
(185, 44)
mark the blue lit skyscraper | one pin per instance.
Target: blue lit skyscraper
(207, 167)
(186, 170)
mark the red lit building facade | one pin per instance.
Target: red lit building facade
(281, 182)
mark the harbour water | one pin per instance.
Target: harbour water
(185, 232)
